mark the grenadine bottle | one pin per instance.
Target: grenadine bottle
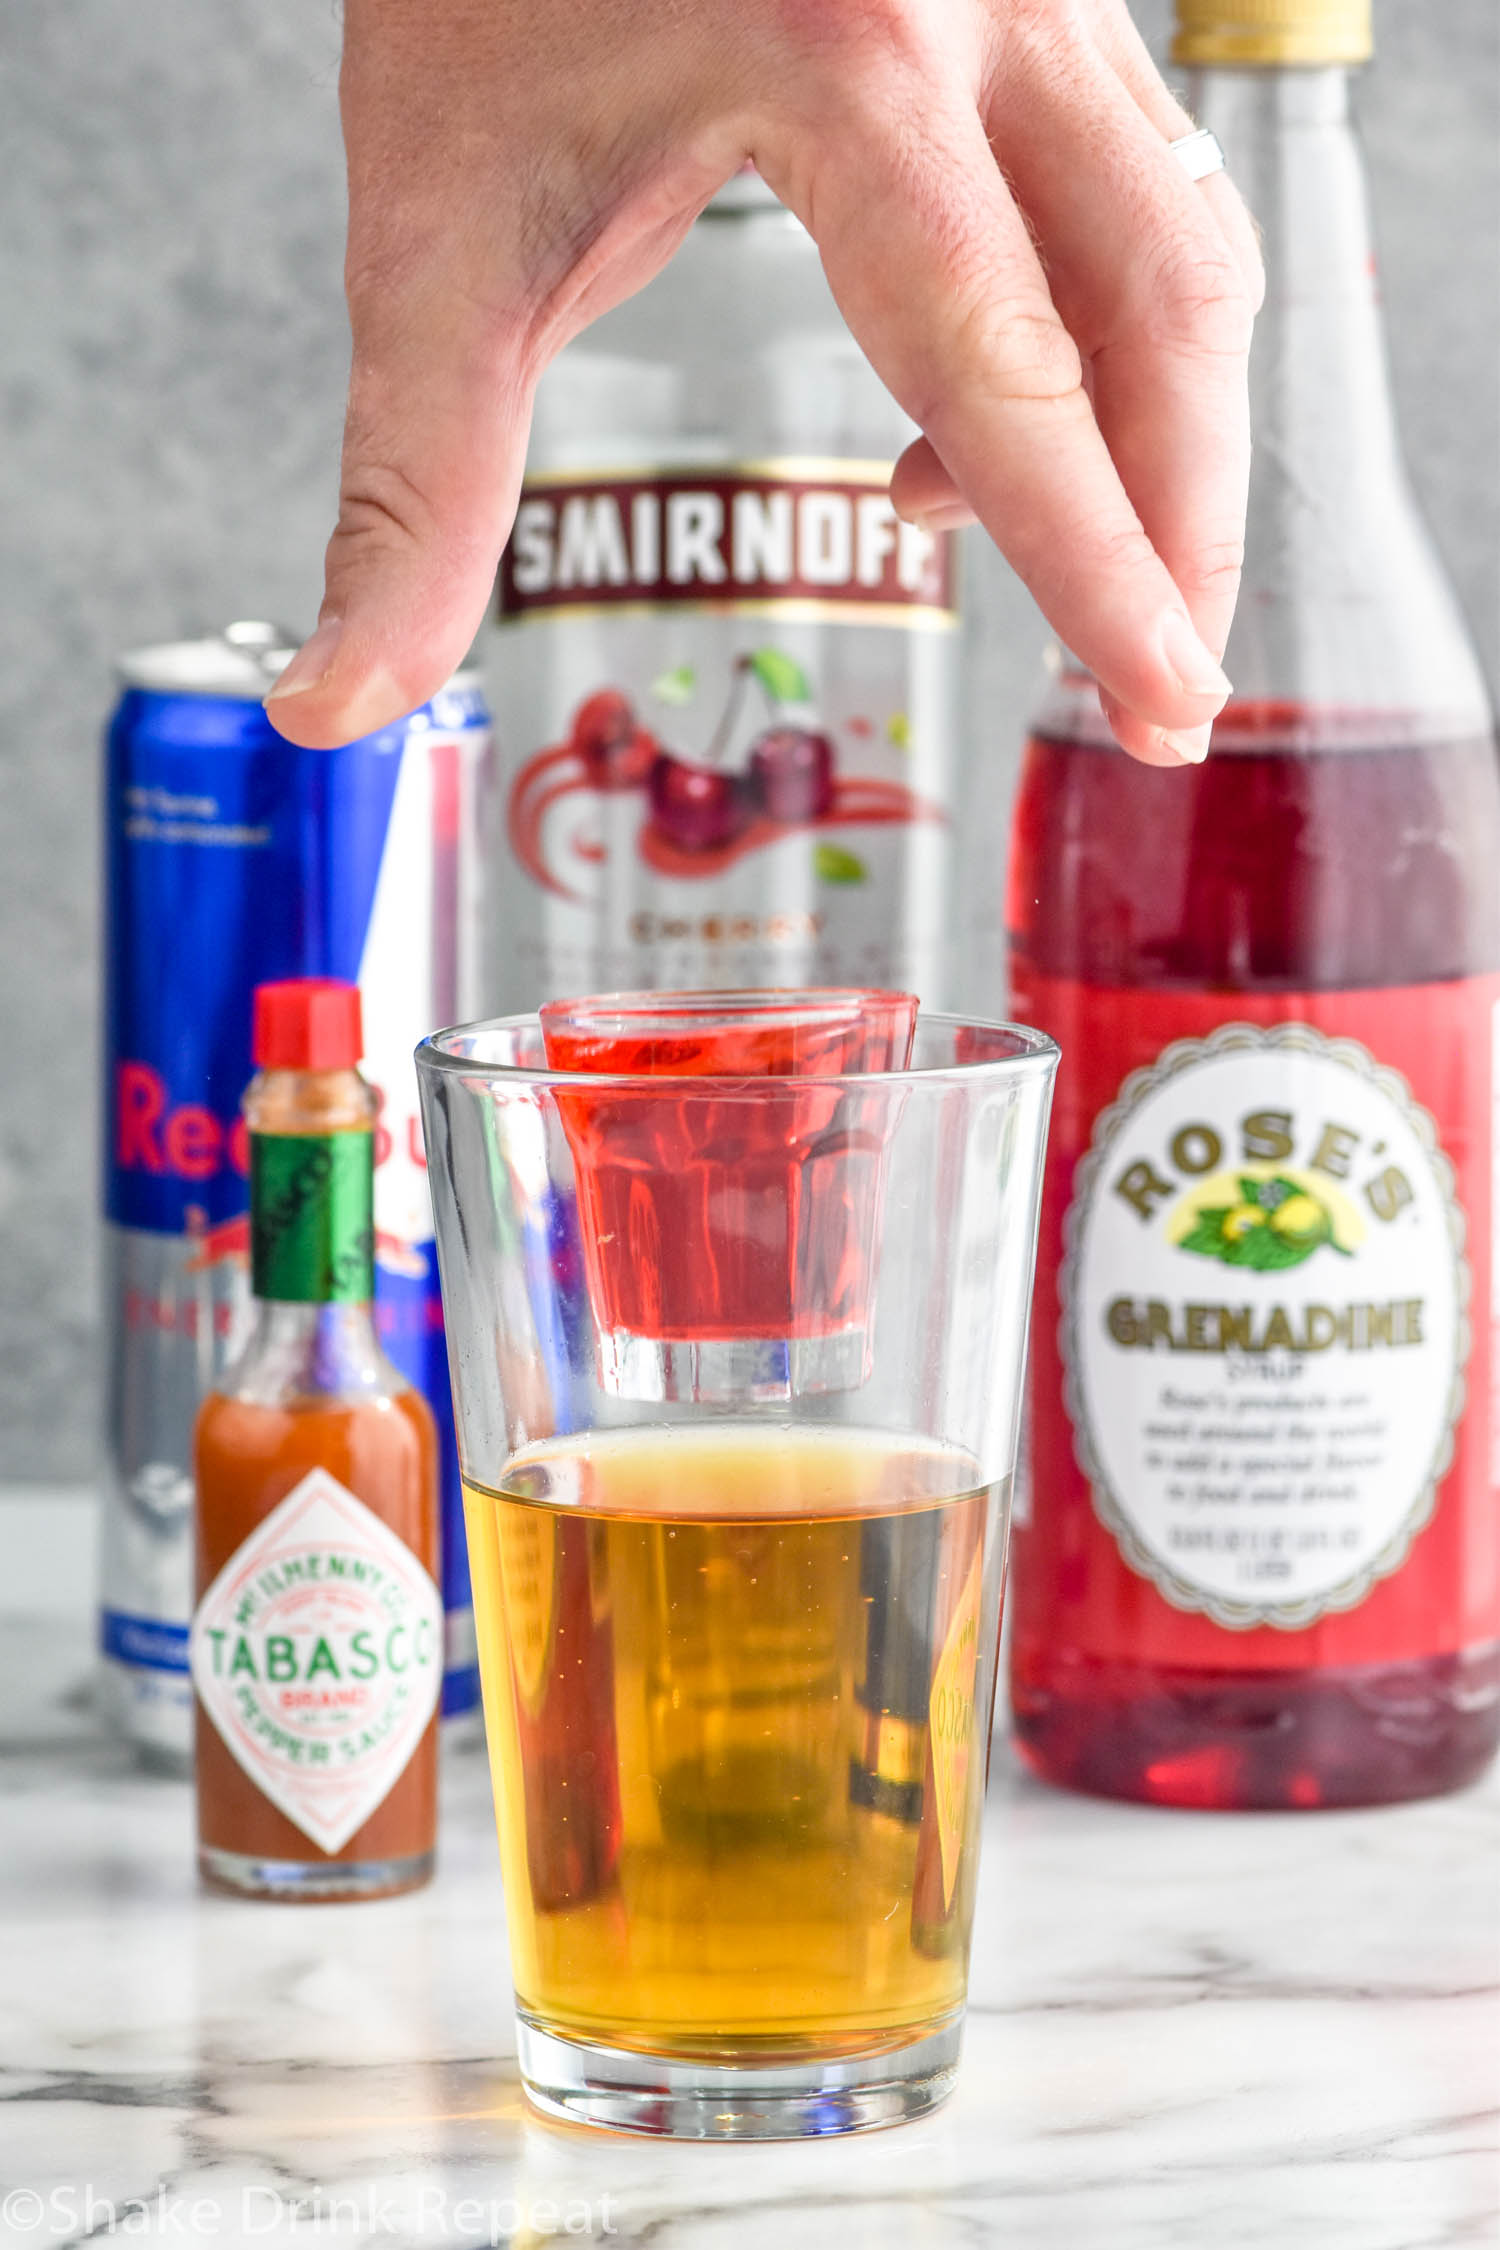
(1260, 1565)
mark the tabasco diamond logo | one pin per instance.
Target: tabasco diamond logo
(317, 1653)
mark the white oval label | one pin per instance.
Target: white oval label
(317, 1653)
(1264, 1323)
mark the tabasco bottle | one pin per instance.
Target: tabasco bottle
(317, 1644)
(1261, 1560)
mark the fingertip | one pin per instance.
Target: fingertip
(1191, 662)
(339, 703)
(956, 517)
(1155, 746)
(312, 663)
(1162, 680)
(923, 493)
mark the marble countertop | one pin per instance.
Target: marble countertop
(1184, 2031)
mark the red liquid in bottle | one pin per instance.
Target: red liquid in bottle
(1344, 878)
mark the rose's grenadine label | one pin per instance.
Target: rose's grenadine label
(1262, 1352)
(317, 1653)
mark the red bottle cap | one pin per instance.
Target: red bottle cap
(307, 1023)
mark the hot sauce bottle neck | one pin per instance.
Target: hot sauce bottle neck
(310, 1101)
(307, 1042)
(311, 1118)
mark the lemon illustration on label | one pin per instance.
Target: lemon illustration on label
(1265, 1220)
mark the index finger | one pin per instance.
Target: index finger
(936, 275)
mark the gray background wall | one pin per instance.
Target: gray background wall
(172, 355)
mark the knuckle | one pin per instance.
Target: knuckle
(1020, 354)
(873, 60)
(381, 506)
(838, 24)
(1216, 565)
(1119, 551)
(1199, 298)
(388, 257)
(1043, 40)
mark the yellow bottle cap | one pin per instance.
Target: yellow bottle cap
(1272, 31)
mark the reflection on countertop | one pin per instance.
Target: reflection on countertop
(1186, 2030)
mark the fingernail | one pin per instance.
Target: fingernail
(312, 663)
(953, 517)
(1190, 744)
(1197, 671)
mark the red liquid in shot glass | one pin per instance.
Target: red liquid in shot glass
(741, 1198)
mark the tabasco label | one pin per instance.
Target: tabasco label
(317, 1653)
(1262, 1356)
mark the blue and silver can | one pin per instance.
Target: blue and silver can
(232, 858)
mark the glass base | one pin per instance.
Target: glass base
(1258, 1741)
(731, 1370)
(310, 1882)
(667, 2097)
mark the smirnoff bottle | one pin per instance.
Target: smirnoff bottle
(1261, 1564)
(726, 671)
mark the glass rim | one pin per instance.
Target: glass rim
(812, 1004)
(1036, 1056)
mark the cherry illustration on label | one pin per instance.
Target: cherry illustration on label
(791, 773)
(702, 805)
(696, 808)
(617, 753)
(703, 812)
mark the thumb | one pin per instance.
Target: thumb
(434, 444)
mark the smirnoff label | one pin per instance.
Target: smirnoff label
(819, 536)
(732, 700)
(317, 1653)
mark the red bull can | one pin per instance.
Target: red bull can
(233, 858)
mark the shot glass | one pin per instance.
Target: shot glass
(738, 1650)
(752, 1224)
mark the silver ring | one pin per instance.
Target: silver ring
(1198, 153)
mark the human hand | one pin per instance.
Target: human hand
(1058, 307)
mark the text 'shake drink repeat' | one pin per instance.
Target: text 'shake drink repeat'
(728, 673)
(1261, 1563)
(233, 859)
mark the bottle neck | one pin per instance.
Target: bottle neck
(1319, 355)
(312, 1242)
(294, 1353)
(1344, 607)
(312, 1223)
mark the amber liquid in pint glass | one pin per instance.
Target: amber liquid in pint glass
(738, 1708)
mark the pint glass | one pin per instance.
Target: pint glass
(736, 1291)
